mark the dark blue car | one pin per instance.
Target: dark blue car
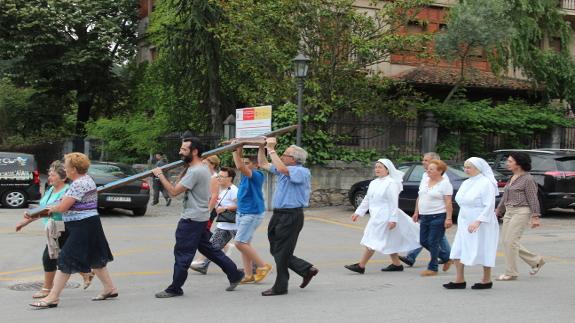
(411, 179)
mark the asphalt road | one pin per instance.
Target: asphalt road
(143, 265)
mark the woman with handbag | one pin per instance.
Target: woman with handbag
(58, 186)
(225, 209)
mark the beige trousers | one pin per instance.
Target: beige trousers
(515, 221)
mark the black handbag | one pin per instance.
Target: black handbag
(227, 216)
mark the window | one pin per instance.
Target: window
(107, 170)
(555, 44)
(566, 164)
(542, 164)
(417, 174)
(415, 27)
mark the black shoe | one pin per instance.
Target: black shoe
(166, 294)
(393, 267)
(168, 201)
(356, 268)
(310, 274)
(482, 285)
(235, 284)
(406, 261)
(452, 285)
(154, 203)
(271, 292)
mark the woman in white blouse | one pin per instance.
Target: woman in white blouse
(478, 230)
(389, 230)
(433, 209)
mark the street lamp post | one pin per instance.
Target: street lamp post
(301, 64)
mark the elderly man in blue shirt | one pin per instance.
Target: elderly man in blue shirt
(290, 197)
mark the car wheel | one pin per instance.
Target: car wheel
(139, 211)
(14, 199)
(357, 198)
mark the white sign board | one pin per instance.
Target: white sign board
(253, 122)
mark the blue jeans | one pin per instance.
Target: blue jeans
(444, 251)
(247, 225)
(432, 230)
(192, 236)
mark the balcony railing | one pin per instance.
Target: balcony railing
(567, 4)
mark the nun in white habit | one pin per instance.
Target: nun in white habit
(389, 230)
(477, 230)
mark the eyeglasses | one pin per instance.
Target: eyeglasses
(287, 155)
(220, 176)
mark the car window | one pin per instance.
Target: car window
(566, 164)
(416, 174)
(457, 170)
(500, 162)
(404, 168)
(542, 164)
(106, 170)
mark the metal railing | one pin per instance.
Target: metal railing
(567, 4)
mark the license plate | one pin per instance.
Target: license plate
(118, 199)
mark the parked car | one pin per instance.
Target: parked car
(19, 180)
(133, 196)
(411, 180)
(554, 172)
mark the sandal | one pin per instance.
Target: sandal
(42, 293)
(87, 279)
(535, 270)
(43, 304)
(103, 297)
(506, 278)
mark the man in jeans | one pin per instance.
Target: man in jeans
(192, 233)
(290, 197)
(158, 187)
(444, 248)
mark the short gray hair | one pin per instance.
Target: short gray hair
(58, 167)
(299, 154)
(433, 155)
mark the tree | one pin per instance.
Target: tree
(513, 34)
(474, 25)
(68, 46)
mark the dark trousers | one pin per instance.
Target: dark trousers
(283, 231)
(192, 236)
(431, 231)
(158, 187)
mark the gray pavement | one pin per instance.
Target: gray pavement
(143, 265)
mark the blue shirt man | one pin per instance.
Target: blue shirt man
(290, 197)
(293, 190)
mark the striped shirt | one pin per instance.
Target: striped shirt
(522, 192)
(83, 190)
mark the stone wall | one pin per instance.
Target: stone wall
(330, 183)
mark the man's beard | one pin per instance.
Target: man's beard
(186, 159)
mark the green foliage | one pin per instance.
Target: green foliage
(219, 56)
(126, 139)
(470, 122)
(68, 47)
(23, 109)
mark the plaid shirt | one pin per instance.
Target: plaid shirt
(521, 192)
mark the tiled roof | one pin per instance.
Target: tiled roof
(473, 78)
